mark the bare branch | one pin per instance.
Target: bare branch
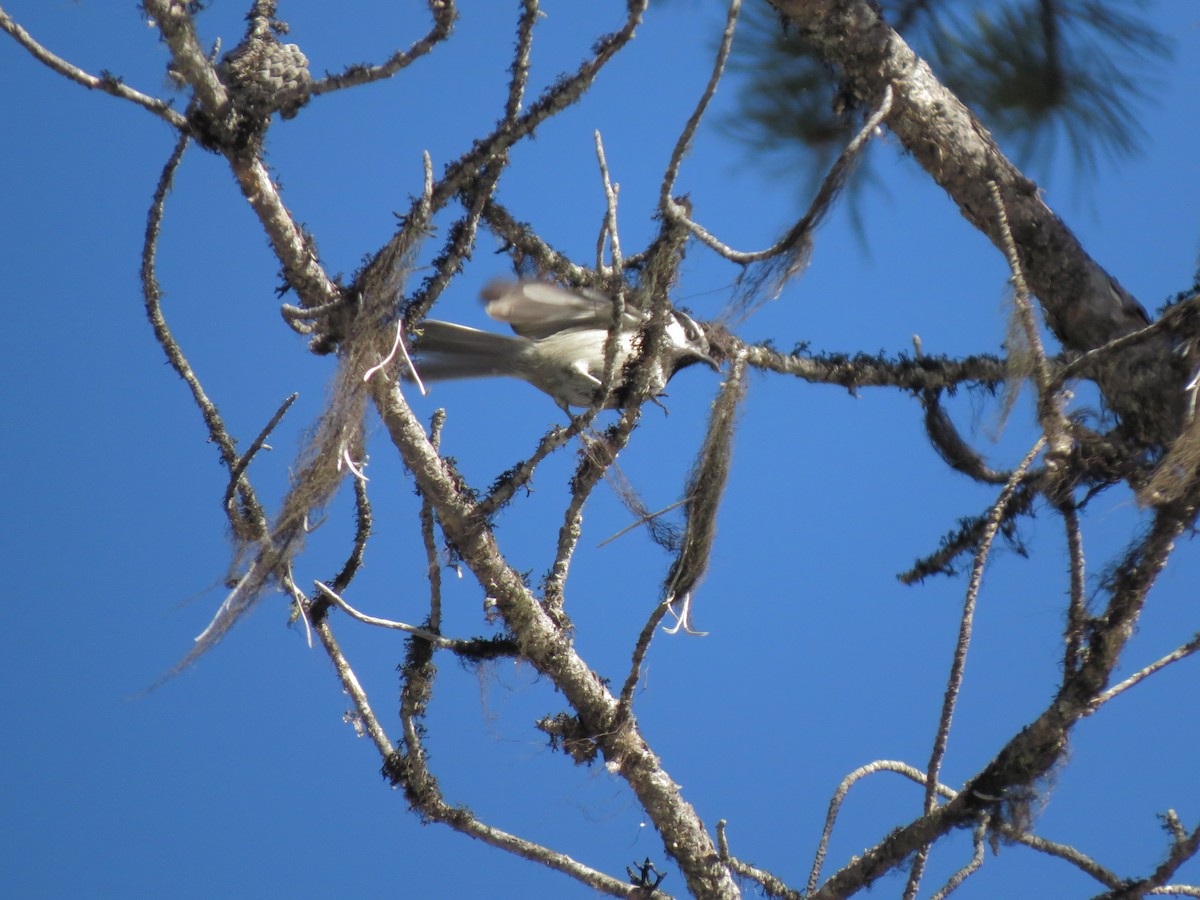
(839, 796)
(771, 885)
(1175, 655)
(1085, 307)
(1049, 404)
(563, 93)
(525, 243)
(362, 531)
(410, 770)
(1064, 852)
(957, 667)
(530, 12)
(436, 639)
(354, 690)
(519, 475)
(110, 84)
(610, 223)
(791, 251)
(444, 15)
(640, 648)
(666, 204)
(1077, 607)
(1183, 847)
(243, 462)
(955, 881)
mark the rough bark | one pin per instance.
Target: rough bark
(1084, 306)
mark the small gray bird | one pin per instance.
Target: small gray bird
(559, 343)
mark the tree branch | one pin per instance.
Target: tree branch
(1085, 307)
(110, 84)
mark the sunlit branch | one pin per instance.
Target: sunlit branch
(244, 460)
(954, 684)
(1175, 655)
(1049, 400)
(793, 247)
(955, 881)
(684, 143)
(109, 84)
(609, 229)
(436, 639)
(771, 885)
(444, 15)
(174, 21)
(1077, 606)
(640, 648)
(839, 796)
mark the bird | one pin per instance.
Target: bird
(559, 341)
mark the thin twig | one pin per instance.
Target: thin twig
(517, 477)
(354, 689)
(235, 474)
(1182, 652)
(955, 881)
(1066, 853)
(1177, 317)
(612, 343)
(408, 767)
(435, 639)
(642, 520)
(1077, 607)
(362, 531)
(110, 84)
(609, 229)
(771, 885)
(564, 92)
(1182, 849)
(444, 14)
(254, 523)
(957, 667)
(828, 191)
(525, 244)
(640, 648)
(598, 454)
(665, 202)
(1049, 400)
(835, 805)
(530, 12)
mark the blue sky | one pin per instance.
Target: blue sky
(241, 778)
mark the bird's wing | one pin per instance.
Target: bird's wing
(538, 309)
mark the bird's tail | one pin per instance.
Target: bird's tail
(445, 351)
